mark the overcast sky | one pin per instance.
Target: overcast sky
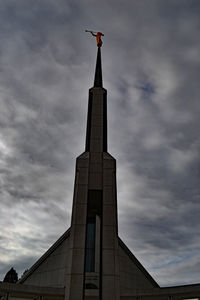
(151, 69)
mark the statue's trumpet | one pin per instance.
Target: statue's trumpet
(90, 31)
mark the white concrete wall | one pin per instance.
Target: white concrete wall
(131, 277)
(52, 271)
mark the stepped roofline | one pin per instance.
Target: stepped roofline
(63, 238)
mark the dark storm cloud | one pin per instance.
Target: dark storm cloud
(151, 70)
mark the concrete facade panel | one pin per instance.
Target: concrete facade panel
(51, 271)
(95, 181)
(97, 131)
(81, 196)
(82, 175)
(78, 261)
(110, 290)
(109, 164)
(76, 287)
(108, 177)
(96, 158)
(80, 212)
(108, 195)
(108, 237)
(109, 215)
(79, 236)
(96, 145)
(95, 168)
(108, 262)
(82, 162)
(97, 110)
(97, 121)
(131, 276)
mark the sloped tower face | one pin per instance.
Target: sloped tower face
(93, 272)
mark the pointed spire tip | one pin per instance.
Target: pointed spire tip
(98, 82)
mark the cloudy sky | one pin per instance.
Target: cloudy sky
(151, 69)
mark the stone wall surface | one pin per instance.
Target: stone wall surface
(131, 277)
(52, 271)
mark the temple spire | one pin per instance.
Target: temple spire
(98, 71)
(96, 136)
(98, 82)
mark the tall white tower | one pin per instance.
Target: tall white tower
(94, 257)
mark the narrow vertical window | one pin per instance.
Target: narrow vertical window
(90, 246)
(93, 240)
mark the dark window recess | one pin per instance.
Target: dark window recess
(91, 286)
(94, 203)
(94, 208)
(90, 246)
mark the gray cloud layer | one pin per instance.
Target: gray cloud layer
(151, 70)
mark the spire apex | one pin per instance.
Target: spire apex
(98, 82)
(96, 135)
